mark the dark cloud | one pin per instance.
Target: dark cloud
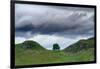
(63, 21)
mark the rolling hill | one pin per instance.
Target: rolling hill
(30, 45)
(80, 45)
(31, 53)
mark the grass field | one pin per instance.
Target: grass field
(27, 57)
(81, 51)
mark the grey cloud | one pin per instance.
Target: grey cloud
(37, 19)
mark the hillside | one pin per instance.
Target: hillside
(31, 52)
(80, 45)
(30, 45)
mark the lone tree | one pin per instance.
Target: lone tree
(56, 47)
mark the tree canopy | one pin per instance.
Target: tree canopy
(56, 47)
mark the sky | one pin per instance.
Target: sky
(53, 24)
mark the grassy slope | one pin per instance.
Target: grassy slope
(80, 45)
(40, 55)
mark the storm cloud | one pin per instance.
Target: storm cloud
(31, 20)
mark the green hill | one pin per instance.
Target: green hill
(31, 52)
(80, 45)
(25, 52)
(30, 45)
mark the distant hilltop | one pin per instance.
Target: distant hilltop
(80, 45)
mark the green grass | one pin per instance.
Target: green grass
(80, 45)
(36, 54)
(27, 57)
